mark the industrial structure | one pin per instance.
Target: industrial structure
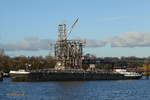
(68, 52)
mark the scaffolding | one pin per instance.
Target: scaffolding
(67, 52)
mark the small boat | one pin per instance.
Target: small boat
(128, 74)
(20, 71)
(20, 74)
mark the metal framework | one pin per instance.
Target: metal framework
(67, 52)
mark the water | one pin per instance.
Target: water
(88, 90)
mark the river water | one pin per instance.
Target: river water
(77, 90)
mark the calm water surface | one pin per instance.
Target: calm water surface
(80, 90)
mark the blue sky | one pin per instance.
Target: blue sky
(120, 24)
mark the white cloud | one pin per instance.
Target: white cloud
(95, 43)
(91, 42)
(131, 39)
(29, 44)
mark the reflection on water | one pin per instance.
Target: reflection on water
(78, 90)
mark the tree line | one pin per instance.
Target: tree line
(30, 63)
(115, 62)
(22, 62)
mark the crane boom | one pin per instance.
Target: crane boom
(73, 26)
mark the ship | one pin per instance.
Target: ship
(69, 66)
(72, 75)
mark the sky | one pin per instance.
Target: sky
(111, 28)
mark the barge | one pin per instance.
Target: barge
(69, 57)
(71, 75)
